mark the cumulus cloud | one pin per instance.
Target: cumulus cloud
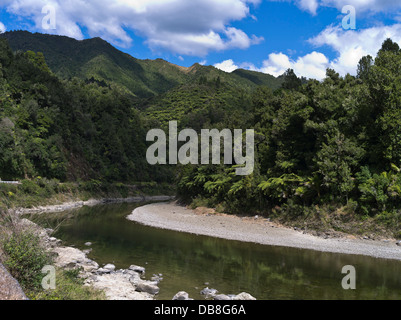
(227, 66)
(360, 5)
(309, 5)
(312, 65)
(193, 27)
(364, 5)
(352, 45)
(2, 27)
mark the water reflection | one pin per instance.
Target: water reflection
(187, 261)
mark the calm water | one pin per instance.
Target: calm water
(187, 261)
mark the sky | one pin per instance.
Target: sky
(268, 36)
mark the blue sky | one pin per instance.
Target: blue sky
(263, 35)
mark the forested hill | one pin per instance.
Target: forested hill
(331, 145)
(97, 59)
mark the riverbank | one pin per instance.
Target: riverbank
(90, 203)
(257, 230)
(124, 284)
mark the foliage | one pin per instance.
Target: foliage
(69, 288)
(25, 258)
(96, 59)
(318, 143)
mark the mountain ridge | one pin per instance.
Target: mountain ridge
(98, 59)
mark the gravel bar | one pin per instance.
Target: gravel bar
(256, 230)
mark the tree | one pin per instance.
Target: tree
(364, 67)
(291, 81)
(390, 46)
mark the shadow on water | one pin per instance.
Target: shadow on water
(188, 261)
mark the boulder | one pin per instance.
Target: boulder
(222, 297)
(209, 293)
(148, 287)
(110, 267)
(137, 269)
(182, 295)
(243, 296)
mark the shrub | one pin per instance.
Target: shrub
(25, 257)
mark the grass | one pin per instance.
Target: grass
(24, 255)
(68, 287)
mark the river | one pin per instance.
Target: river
(190, 263)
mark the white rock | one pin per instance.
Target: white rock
(182, 295)
(110, 267)
(244, 296)
(137, 269)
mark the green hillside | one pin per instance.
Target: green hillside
(96, 58)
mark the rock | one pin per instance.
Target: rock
(102, 271)
(69, 257)
(243, 296)
(49, 231)
(10, 289)
(110, 267)
(137, 269)
(148, 287)
(209, 293)
(221, 297)
(117, 287)
(157, 278)
(88, 244)
(182, 295)
(398, 243)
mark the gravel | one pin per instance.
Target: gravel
(174, 217)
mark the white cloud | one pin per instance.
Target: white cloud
(360, 5)
(184, 27)
(227, 66)
(312, 65)
(309, 5)
(364, 5)
(352, 45)
(2, 27)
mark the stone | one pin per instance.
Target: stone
(148, 287)
(110, 267)
(244, 296)
(102, 270)
(135, 279)
(209, 293)
(137, 269)
(222, 297)
(157, 278)
(88, 244)
(182, 295)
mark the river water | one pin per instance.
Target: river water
(190, 263)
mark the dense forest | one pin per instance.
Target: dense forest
(334, 143)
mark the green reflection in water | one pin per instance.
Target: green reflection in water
(188, 261)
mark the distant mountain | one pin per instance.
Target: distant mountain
(97, 59)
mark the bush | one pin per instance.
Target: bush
(30, 187)
(25, 257)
